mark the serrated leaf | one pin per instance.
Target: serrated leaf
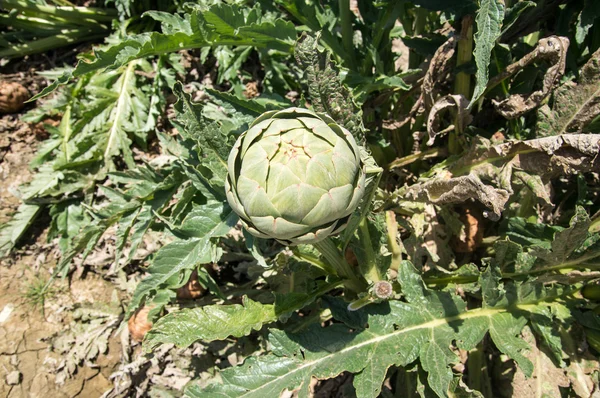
(174, 262)
(12, 231)
(545, 158)
(216, 30)
(398, 333)
(571, 247)
(213, 145)
(372, 236)
(209, 323)
(489, 21)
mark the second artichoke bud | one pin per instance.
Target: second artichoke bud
(295, 176)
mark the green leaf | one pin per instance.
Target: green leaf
(513, 13)
(213, 219)
(573, 247)
(219, 25)
(213, 145)
(489, 21)
(168, 264)
(398, 333)
(174, 262)
(372, 236)
(209, 323)
(252, 107)
(68, 218)
(585, 20)
(12, 231)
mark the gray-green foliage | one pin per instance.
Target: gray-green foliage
(220, 24)
(481, 240)
(398, 333)
(326, 92)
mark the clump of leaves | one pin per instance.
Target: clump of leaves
(86, 337)
(393, 300)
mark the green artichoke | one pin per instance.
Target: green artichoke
(295, 176)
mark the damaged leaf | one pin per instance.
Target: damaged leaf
(488, 172)
(546, 380)
(575, 105)
(457, 104)
(327, 94)
(438, 69)
(458, 190)
(86, 338)
(552, 49)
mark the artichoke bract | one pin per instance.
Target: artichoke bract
(295, 176)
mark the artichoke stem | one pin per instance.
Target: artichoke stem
(334, 257)
(369, 268)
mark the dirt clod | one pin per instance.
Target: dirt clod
(192, 289)
(139, 324)
(12, 97)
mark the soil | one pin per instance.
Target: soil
(26, 330)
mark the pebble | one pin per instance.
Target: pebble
(13, 378)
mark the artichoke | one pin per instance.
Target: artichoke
(295, 176)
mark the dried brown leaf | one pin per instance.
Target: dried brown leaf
(458, 190)
(437, 71)
(468, 241)
(546, 157)
(532, 163)
(552, 49)
(547, 377)
(458, 105)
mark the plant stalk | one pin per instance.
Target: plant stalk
(50, 43)
(369, 268)
(406, 160)
(72, 13)
(347, 33)
(392, 234)
(464, 55)
(334, 257)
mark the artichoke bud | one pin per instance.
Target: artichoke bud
(295, 176)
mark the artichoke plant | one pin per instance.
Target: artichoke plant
(295, 176)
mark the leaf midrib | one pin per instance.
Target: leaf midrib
(480, 312)
(114, 130)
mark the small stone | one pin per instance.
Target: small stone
(13, 378)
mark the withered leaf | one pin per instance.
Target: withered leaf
(575, 105)
(458, 105)
(552, 49)
(546, 157)
(546, 379)
(438, 69)
(532, 163)
(460, 189)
